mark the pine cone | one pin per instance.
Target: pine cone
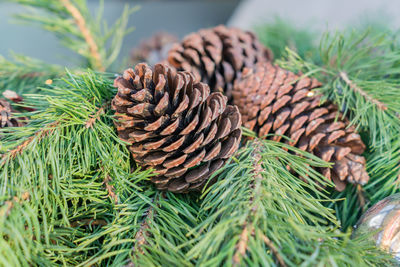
(175, 125)
(6, 118)
(154, 49)
(218, 55)
(273, 100)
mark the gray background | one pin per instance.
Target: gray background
(182, 17)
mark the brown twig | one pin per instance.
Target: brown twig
(93, 118)
(87, 222)
(9, 204)
(361, 197)
(140, 236)
(33, 75)
(142, 233)
(81, 23)
(242, 245)
(358, 90)
(110, 189)
(273, 249)
(40, 135)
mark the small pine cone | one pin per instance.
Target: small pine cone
(154, 49)
(218, 55)
(6, 118)
(275, 101)
(175, 126)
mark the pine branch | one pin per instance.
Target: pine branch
(9, 204)
(81, 23)
(23, 74)
(255, 183)
(91, 221)
(59, 154)
(92, 120)
(359, 70)
(361, 92)
(142, 234)
(87, 36)
(284, 214)
(110, 189)
(272, 247)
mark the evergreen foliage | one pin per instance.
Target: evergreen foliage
(359, 70)
(24, 74)
(70, 194)
(86, 35)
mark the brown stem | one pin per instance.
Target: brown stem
(81, 23)
(358, 90)
(110, 189)
(361, 197)
(140, 236)
(92, 120)
(88, 222)
(9, 204)
(242, 245)
(142, 233)
(273, 249)
(40, 135)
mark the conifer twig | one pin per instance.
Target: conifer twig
(92, 120)
(9, 204)
(272, 247)
(358, 90)
(361, 196)
(40, 135)
(87, 222)
(241, 246)
(81, 23)
(110, 189)
(141, 234)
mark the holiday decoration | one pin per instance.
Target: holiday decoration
(75, 187)
(154, 49)
(174, 125)
(384, 219)
(275, 101)
(218, 55)
(6, 117)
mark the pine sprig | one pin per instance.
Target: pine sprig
(63, 164)
(258, 213)
(23, 74)
(359, 70)
(359, 74)
(78, 30)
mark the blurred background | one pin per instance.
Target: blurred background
(185, 16)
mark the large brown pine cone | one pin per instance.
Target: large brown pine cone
(218, 55)
(175, 125)
(6, 117)
(275, 101)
